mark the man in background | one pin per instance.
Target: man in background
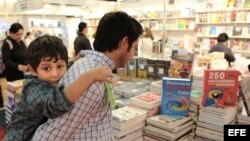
(81, 41)
(222, 46)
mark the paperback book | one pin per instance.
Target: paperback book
(181, 64)
(175, 96)
(220, 88)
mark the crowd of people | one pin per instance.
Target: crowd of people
(53, 105)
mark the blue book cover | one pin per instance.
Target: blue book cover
(175, 96)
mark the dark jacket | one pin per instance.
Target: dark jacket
(221, 48)
(12, 57)
(81, 43)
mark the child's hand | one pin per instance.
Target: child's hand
(102, 74)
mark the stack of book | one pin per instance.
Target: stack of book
(243, 119)
(148, 101)
(130, 89)
(162, 127)
(211, 121)
(156, 87)
(122, 102)
(128, 123)
(135, 91)
(194, 111)
(13, 92)
(196, 92)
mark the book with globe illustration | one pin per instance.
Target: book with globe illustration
(175, 96)
(181, 64)
(220, 88)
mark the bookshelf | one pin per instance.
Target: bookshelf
(234, 21)
(56, 27)
(180, 20)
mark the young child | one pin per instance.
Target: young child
(41, 97)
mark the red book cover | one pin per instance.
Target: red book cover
(148, 100)
(220, 88)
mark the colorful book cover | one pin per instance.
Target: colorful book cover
(175, 96)
(181, 64)
(142, 67)
(220, 88)
(132, 67)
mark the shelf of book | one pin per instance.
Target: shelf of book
(223, 23)
(149, 19)
(179, 29)
(172, 18)
(232, 37)
(223, 10)
(56, 26)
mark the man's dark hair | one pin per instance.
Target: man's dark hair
(222, 37)
(15, 27)
(81, 26)
(46, 46)
(112, 28)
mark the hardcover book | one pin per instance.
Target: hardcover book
(220, 88)
(175, 96)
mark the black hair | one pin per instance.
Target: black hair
(112, 28)
(27, 34)
(222, 37)
(81, 26)
(46, 46)
(15, 27)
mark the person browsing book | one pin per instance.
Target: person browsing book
(13, 52)
(42, 98)
(222, 46)
(146, 43)
(116, 39)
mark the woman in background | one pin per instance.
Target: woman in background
(146, 43)
(14, 53)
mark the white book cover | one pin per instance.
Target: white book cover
(127, 116)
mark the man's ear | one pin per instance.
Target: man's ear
(124, 43)
(33, 72)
